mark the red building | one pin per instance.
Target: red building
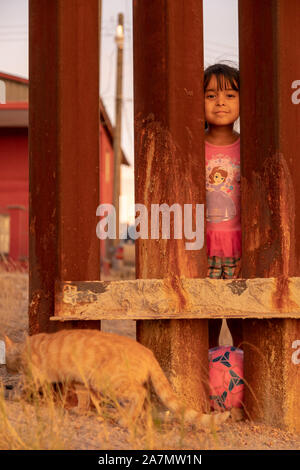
(14, 166)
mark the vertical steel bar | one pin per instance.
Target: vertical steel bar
(169, 168)
(270, 141)
(63, 149)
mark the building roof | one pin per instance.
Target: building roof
(16, 114)
(13, 78)
(106, 124)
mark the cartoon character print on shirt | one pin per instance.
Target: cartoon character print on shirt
(222, 177)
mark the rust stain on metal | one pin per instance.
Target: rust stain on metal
(287, 214)
(150, 149)
(82, 292)
(281, 297)
(257, 233)
(180, 293)
(274, 206)
(189, 92)
(270, 251)
(96, 288)
(34, 308)
(238, 287)
(160, 150)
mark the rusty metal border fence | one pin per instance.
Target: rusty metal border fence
(171, 292)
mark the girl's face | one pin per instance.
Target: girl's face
(222, 107)
(218, 178)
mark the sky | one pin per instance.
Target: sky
(220, 18)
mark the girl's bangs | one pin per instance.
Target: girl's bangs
(227, 77)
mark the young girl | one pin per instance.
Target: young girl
(222, 157)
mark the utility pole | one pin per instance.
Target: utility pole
(119, 38)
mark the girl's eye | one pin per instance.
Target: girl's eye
(212, 96)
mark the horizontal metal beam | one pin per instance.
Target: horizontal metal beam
(176, 298)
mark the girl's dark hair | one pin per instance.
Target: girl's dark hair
(222, 71)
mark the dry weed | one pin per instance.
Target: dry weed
(46, 421)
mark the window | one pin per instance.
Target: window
(4, 234)
(2, 92)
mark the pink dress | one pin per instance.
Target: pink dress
(223, 219)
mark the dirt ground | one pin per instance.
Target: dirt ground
(87, 432)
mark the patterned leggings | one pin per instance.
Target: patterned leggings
(224, 268)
